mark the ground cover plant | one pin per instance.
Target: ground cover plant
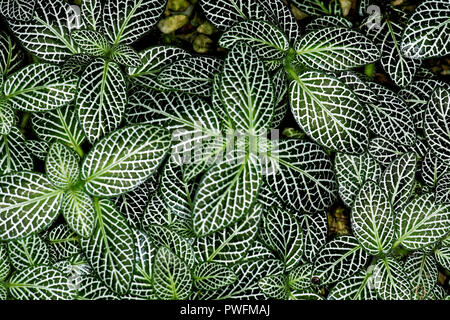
(306, 157)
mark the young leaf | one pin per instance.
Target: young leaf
(39, 87)
(391, 281)
(125, 55)
(124, 159)
(62, 166)
(41, 283)
(28, 252)
(281, 15)
(334, 49)
(274, 286)
(339, 259)
(101, 98)
(63, 242)
(171, 276)
(372, 219)
(78, 210)
(28, 204)
(212, 276)
(299, 278)
(426, 33)
(351, 173)
(127, 21)
(302, 176)
(356, 287)
(267, 41)
(422, 222)
(91, 42)
(110, 249)
(329, 112)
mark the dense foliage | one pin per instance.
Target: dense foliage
(157, 173)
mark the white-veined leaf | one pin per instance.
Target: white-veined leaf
(14, 155)
(61, 166)
(351, 173)
(360, 87)
(426, 33)
(280, 14)
(443, 189)
(154, 60)
(91, 42)
(385, 151)
(11, 57)
(423, 274)
(39, 87)
(339, 259)
(356, 287)
(28, 252)
(46, 35)
(436, 120)
(225, 13)
(391, 281)
(75, 65)
(258, 251)
(230, 245)
(7, 116)
(78, 210)
(274, 286)
(329, 112)
(334, 49)
(442, 254)
(125, 55)
(246, 90)
(63, 242)
(299, 278)
(124, 159)
(194, 75)
(38, 148)
(110, 250)
(141, 285)
(59, 125)
(101, 98)
(372, 219)
(266, 40)
(91, 288)
(5, 264)
(315, 231)
(318, 7)
(226, 193)
(432, 168)
(422, 222)
(171, 276)
(398, 180)
(284, 236)
(302, 176)
(127, 21)
(28, 204)
(327, 22)
(91, 13)
(21, 10)
(212, 276)
(41, 283)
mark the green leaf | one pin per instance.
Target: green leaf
(284, 236)
(91, 42)
(91, 288)
(91, 13)
(28, 252)
(17, 9)
(41, 283)
(328, 112)
(422, 222)
(101, 98)
(301, 175)
(356, 287)
(171, 276)
(110, 250)
(62, 166)
(39, 87)
(127, 21)
(385, 151)
(318, 7)
(226, 193)
(391, 281)
(14, 155)
(78, 210)
(225, 13)
(193, 75)
(358, 84)
(125, 55)
(46, 34)
(422, 272)
(212, 276)
(266, 40)
(246, 90)
(338, 259)
(230, 245)
(37, 148)
(11, 57)
(59, 125)
(280, 14)
(442, 254)
(372, 219)
(124, 159)
(142, 285)
(5, 264)
(274, 286)
(328, 22)
(398, 180)
(436, 120)
(315, 231)
(28, 204)
(443, 189)
(432, 168)
(334, 49)
(75, 65)
(154, 60)
(300, 277)
(63, 242)
(7, 116)
(351, 173)
(426, 33)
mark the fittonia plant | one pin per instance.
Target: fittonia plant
(158, 173)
